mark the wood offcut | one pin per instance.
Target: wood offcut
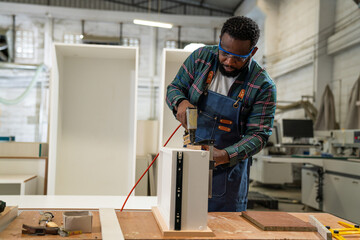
(277, 221)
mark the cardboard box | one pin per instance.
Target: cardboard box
(78, 220)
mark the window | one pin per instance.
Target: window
(170, 44)
(131, 42)
(24, 43)
(72, 38)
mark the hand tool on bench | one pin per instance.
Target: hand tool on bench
(42, 229)
(46, 220)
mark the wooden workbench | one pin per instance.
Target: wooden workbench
(142, 225)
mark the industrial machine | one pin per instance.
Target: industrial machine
(340, 143)
(334, 184)
(329, 165)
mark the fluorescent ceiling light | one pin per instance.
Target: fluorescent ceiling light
(152, 23)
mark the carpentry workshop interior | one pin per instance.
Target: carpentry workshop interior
(180, 119)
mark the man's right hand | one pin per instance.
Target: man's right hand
(181, 112)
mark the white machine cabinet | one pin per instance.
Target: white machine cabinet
(92, 120)
(271, 172)
(195, 179)
(342, 189)
(310, 186)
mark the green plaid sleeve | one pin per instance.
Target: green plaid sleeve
(258, 125)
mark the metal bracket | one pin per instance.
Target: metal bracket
(178, 190)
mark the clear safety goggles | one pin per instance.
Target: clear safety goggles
(236, 57)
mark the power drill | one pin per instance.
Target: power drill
(191, 119)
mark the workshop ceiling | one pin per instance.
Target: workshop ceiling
(183, 7)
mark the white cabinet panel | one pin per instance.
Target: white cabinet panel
(92, 120)
(172, 61)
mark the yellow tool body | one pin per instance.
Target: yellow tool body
(348, 230)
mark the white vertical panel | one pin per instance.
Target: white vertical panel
(92, 136)
(194, 203)
(172, 61)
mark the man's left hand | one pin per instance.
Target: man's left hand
(220, 156)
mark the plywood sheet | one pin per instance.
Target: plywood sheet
(277, 221)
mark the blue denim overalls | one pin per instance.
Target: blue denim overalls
(219, 119)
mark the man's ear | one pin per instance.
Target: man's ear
(254, 51)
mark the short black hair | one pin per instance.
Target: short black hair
(242, 28)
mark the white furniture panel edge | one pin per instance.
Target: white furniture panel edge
(168, 123)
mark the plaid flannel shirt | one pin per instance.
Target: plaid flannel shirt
(259, 100)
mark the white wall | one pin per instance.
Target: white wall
(346, 61)
(294, 49)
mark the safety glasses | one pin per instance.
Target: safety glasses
(236, 57)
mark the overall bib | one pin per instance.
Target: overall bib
(219, 119)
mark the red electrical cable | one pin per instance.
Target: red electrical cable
(147, 169)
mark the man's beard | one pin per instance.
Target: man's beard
(235, 72)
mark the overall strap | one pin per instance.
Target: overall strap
(210, 77)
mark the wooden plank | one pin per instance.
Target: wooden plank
(26, 180)
(277, 221)
(183, 233)
(322, 230)
(8, 215)
(110, 228)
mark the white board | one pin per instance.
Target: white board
(92, 120)
(194, 206)
(172, 61)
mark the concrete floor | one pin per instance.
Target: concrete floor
(288, 196)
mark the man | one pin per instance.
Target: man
(236, 99)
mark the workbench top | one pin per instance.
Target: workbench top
(29, 202)
(142, 225)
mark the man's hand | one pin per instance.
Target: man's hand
(220, 156)
(181, 112)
